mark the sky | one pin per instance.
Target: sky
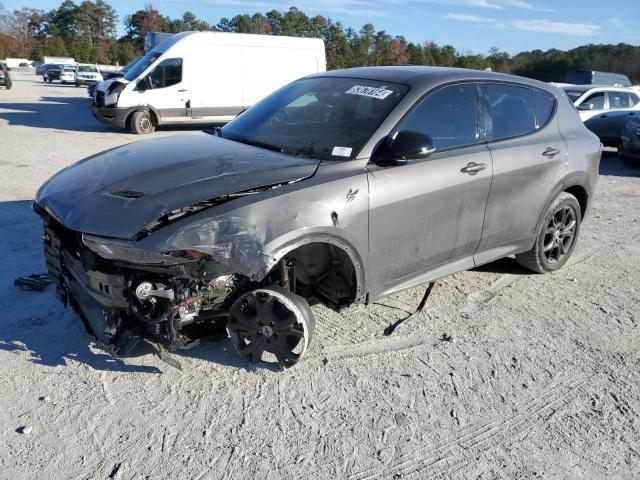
(472, 26)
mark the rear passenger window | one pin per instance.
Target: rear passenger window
(634, 99)
(167, 73)
(543, 103)
(511, 111)
(619, 100)
(448, 116)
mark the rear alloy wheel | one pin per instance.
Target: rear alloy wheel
(141, 123)
(556, 241)
(272, 323)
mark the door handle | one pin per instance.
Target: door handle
(551, 152)
(182, 90)
(472, 168)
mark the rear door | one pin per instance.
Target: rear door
(429, 212)
(529, 158)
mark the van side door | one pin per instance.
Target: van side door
(529, 159)
(165, 90)
(425, 217)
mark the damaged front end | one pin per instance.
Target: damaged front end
(124, 294)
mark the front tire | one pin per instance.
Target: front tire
(558, 236)
(271, 321)
(141, 123)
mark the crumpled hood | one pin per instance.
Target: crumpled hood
(165, 174)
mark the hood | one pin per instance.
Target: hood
(118, 192)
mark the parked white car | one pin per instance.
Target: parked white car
(591, 101)
(68, 75)
(86, 74)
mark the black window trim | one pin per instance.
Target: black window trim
(482, 83)
(480, 132)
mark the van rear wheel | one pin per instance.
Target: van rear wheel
(141, 123)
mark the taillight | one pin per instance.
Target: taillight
(1, 74)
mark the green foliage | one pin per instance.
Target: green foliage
(87, 31)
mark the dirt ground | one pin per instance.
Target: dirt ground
(508, 375)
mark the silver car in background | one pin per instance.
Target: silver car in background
(340, 188)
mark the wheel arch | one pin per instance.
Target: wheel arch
(152, 113)
(577, 184)
(344, 246)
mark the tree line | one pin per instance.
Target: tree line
(88, 32)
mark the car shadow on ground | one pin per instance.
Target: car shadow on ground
(61, 113)
(70, 113)
(505, 266)
(611, 165)
(36, 327)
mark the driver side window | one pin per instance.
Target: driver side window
(597, 100)
(448, 115)
(167, 73)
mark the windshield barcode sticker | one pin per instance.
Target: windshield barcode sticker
(379, 93)
(341, 151)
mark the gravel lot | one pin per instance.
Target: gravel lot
(508, 375)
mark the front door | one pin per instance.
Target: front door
(166, 91)
(429, 212)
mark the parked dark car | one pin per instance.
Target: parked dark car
(608, 126)
(52, 72)
(629, 149)
(5, 78)
(91, 89)
(340, 188)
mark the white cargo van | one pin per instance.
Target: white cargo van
(205, 77)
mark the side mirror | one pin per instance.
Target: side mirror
(585, 106)
(409, 145)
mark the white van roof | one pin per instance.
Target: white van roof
(225, 38)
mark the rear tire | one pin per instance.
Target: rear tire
(557, 238)
(141, 123)
(9, 85)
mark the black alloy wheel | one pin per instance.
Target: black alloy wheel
(271, 322)
(560, 234)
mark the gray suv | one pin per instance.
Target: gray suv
(339, 188)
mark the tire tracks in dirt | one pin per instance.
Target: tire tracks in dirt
(445, 455)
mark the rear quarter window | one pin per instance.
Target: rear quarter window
(543, 104)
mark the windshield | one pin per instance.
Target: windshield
(323, 117)
(141, 65)
(130, 65)
(87, 68)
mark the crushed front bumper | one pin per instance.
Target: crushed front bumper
(111, 115)
(184, 301)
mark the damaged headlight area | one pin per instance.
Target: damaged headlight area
(124, 294)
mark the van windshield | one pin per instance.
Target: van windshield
(327, 118)
(142, 64)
